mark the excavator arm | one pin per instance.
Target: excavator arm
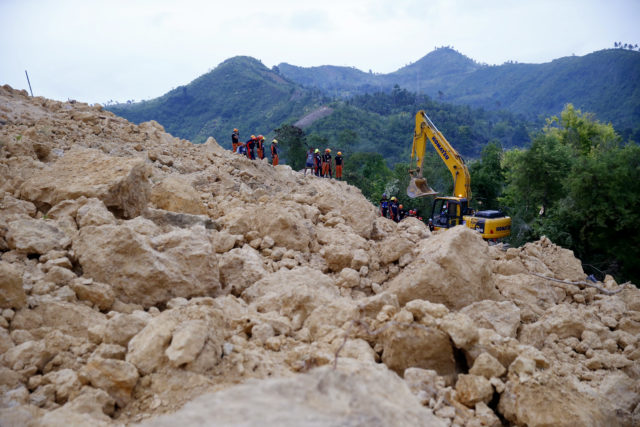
(425, 131)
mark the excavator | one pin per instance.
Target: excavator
(450, 211)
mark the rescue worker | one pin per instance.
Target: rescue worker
(310, 161)
(251, 144)
(384, 206)
(326, 163)
(260, 144)
(431, 226)
(393, 209)
(401, 213)
(241, 148)
(317, 162)
(274, 152)
(235, 140)
(339, 165)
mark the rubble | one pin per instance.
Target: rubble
(147, 279)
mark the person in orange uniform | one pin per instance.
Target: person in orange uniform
(326, 163)
(260, 144)
(234, 140)
(251, 144)
(339, 161)
(274, 152)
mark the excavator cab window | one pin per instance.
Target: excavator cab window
(446, 213)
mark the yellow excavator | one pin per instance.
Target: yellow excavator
(448, 212)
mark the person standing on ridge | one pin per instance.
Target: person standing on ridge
(339, 165)
(274, 152)
(401, 213)
(235, 140)
(310, 161)
(384, 206)
(250, 144)
(260, 143)
(393, 209)
(317, 162)
(326, 163)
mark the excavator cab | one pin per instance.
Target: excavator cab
(448, 212)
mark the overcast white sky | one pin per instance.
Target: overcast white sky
(95, 51)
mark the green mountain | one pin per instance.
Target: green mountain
(241, 92)
(606, 83)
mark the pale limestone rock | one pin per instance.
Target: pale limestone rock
(486, 416)
(501, 316)
(320, 397)
(94, 212)
(12, 294)
(66, 383)
(99, 294)
(338, 257)
(30, 353)
(240, 268)
(35, 236)
(438, 276)
(424, 380)
(187, 342)
(116, 377)
(471, 389)
(149, 269)
(285, 225)
(407, 346)
(12, 208)
(460, 328)
(392, 248)
(120, 328)
(349, 278)
(176, 194)
(326, 319)
(422, 308)
(487, 366)
(121, 183)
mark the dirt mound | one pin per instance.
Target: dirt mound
(139, 271)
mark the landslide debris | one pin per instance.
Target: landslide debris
(147, 279)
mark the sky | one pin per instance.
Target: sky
(97, 51)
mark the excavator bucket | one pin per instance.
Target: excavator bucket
(418, 187)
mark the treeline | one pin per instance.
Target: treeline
(578, 183)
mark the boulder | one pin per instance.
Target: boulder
(120, 328)
(94, 212)
(121, 183)
(471, 389)
(501, 316)
(370, 395)
(285, 225)
(149, 269)
(99, 294)
(487, 366)
(417, 346)
(452, 268)
(35, 236)
(176, 194)
(116, 377)
(240, 268)
(12, 294)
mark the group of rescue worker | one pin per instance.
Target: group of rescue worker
(392, 209)
(322, 164)
(255, 143)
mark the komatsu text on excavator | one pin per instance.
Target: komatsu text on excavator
(448, 212)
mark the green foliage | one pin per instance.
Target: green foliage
(292, 141)
(487, 178)
(580, 186)
(368, 172)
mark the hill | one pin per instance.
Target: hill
(606, 83)
(144, 278)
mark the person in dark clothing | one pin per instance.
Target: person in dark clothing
(318, 162)
(384, 206)
(393, 209)
(326, 163)
(274, 152)
(251, 144)
(431, 226)
(402, 214)
(235, 140)
(260, 145)
(309, 163)
(339, 161)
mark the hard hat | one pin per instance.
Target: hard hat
(253, 137)
(317, 151)
(275, 141)
(260, 137)
(327, 150)
(384, 195)
(235, 129)
(339, 153)
(400, 206)
(393, 198)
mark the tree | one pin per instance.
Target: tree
(293, 142)
(487, 177)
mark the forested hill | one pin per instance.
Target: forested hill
(606, 83)
(240, 92)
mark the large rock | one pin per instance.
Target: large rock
(501, 316)
(116, 377)
(121, 183)
(176, 194)
(35, 236)
(11, 292)
(285, 225)
(418, 346)
(452, 268)
(240, 268)
(369, 395)
(471, 389)
(145, 266)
